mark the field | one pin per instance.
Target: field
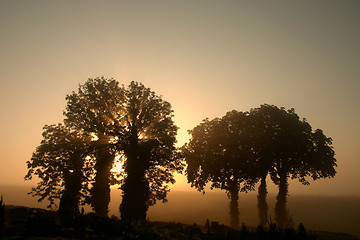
(336, 214)
(321, 213)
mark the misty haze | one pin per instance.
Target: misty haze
(180, 119)
(322, 213)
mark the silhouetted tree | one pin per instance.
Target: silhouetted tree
(262, 131)
(219, 152)
(148, 144)
(97, 108)
(62, 162)
(132, 122)
(287, 147)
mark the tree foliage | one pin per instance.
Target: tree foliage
(286, 146)
(97, 108)
(104, 119)
(63, 163)
(245, 147)
(148, 142)
(131, 122)
(219, 153)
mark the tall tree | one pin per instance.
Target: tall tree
(287, 147)
(97, 108)
(291, 147)
(62, 161)
(148, 144)
(134, 123)
(218, 152)
(262, 131)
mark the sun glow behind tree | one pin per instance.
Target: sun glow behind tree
(132, 137)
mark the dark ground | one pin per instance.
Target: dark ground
(336, 214)
(35, 223)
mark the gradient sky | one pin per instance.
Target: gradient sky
(204, 57)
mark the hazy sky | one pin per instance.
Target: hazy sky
(204, 57)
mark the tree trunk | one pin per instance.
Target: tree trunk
(234, 204)
(262, 204)
(134, 204)
(101, 189)
(69, 201)
(281, 215)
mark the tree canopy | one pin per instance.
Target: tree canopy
(97, 109)
(243, 147)
(218, 153)
(287, 147)
(63, 163)
(149, 146)
(132, 122)
(104, 119)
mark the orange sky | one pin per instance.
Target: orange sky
(204, 57)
